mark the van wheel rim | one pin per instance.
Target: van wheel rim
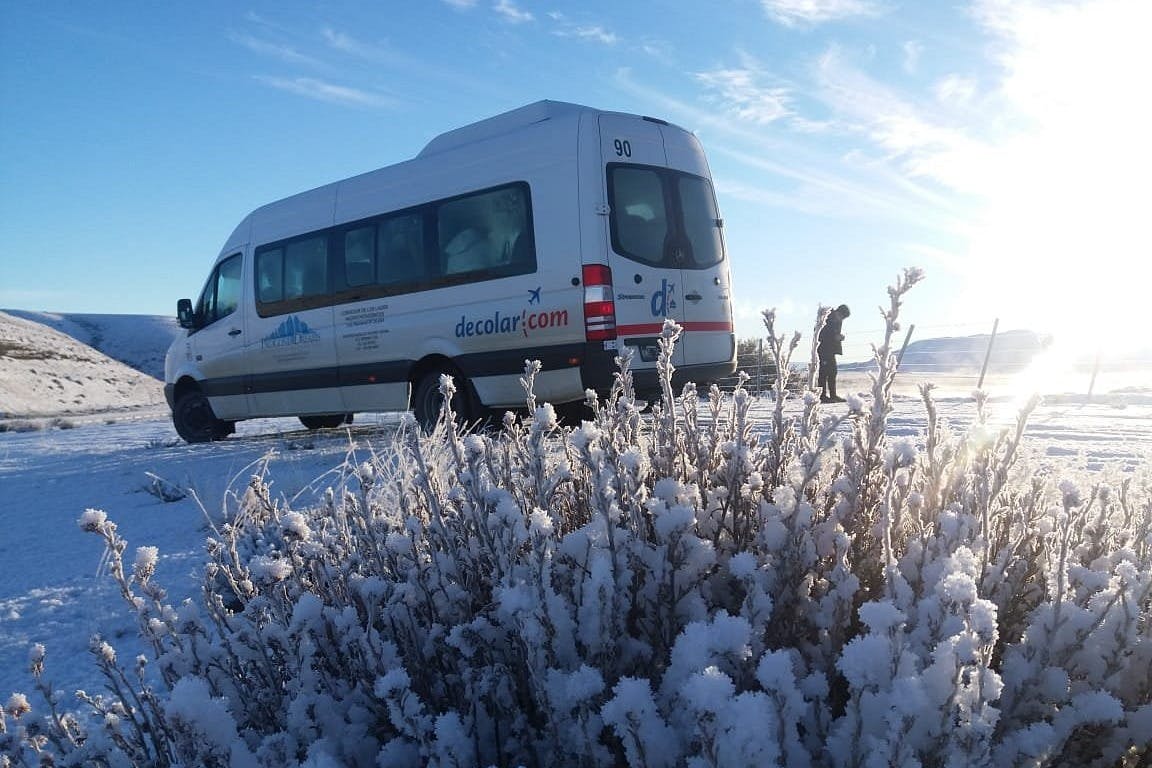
(197, 417)
(202, 417)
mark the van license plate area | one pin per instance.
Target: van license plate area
(648, 348)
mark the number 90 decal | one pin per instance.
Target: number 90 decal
(623, 148)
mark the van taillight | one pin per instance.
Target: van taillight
(599, 308)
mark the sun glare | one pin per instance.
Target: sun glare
(1061, 246)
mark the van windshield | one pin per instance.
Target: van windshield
(664, 218)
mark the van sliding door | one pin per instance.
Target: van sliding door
(292, 349)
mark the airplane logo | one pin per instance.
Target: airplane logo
(534, 296)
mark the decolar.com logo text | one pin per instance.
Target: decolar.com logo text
(498, 323)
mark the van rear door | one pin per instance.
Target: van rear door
(706, 313)
(667, 250)
(640, 236)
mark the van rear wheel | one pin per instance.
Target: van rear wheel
(572, 414)
(326, 421)
(427, 400)
(196, 422)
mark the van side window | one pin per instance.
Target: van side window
(306, 267)
(400, 246)
(295, 271)
(470, 238)
(486, 231)
(270, 275)
(359, 258)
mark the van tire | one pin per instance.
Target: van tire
(572, 414)
(326, 421)
(427, 399)
(196, 422)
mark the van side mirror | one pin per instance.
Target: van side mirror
(185, 316)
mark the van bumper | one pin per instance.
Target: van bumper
(599, 368)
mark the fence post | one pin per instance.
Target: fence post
(907, 338)
(760, 367)
(1092, 381)
(988, 354)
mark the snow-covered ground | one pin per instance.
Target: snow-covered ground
(52, 589)
(121, 454)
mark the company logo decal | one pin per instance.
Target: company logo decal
(497, 323)
(664, 300)
(534, 296)
(289, 333)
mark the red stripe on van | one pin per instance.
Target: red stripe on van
(642, 329)
(708, 325)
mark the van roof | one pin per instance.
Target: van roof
(497, 125)
(501, 124)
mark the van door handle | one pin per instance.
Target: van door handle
(235, 332)
(693, 296)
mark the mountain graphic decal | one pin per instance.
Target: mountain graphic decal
(292, 331)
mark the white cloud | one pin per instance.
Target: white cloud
(511, 12)
(285, 53)
(955, 90)
(913, 50)
(565, 27)
(350, 45)
(742, 93)
(908, 133)
(461, 4)
(595, 33)
(263, 21)
(793, 13)
(321, 90)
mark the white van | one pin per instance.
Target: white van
(553, 232)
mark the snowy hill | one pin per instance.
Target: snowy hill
(138, 341)
(1012, 351)
(44, 372)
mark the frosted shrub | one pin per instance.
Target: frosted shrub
(680, 588)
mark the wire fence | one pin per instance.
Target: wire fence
(958, 359)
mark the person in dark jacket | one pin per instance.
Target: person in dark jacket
(828, 345)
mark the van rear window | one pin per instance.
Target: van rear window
(664, 218)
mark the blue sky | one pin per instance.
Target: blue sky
(1000, 145)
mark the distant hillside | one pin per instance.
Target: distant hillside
(44, 372)
(138, 341)
(1012, 351)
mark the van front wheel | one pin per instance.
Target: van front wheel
(195, 421)
(427, 400)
